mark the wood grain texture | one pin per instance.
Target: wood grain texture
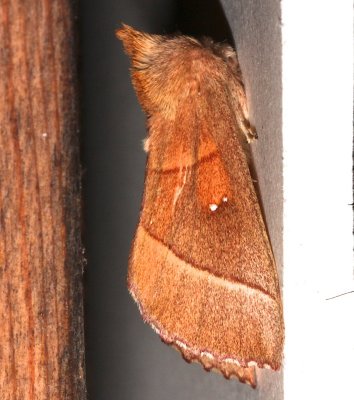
(201, 268)
(41, 262)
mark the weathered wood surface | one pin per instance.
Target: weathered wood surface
(41, 262)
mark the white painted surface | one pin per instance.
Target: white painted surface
(256, 27)
(318, 221)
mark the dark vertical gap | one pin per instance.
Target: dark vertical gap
(124, 358)
(203, 18)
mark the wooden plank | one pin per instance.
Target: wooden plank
(41, 262)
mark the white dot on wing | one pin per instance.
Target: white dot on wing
(213, 207)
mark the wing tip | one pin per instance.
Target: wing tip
(229, 366)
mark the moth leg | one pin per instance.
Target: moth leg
(242, 114)
(248, 130)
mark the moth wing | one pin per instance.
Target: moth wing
(201, 266)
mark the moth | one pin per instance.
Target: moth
(201, 266)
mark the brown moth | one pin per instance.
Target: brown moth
(201, 267)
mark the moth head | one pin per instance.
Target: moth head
(151, 68)
(167, 70)
(225, 52)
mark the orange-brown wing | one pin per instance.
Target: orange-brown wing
(201, 267)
